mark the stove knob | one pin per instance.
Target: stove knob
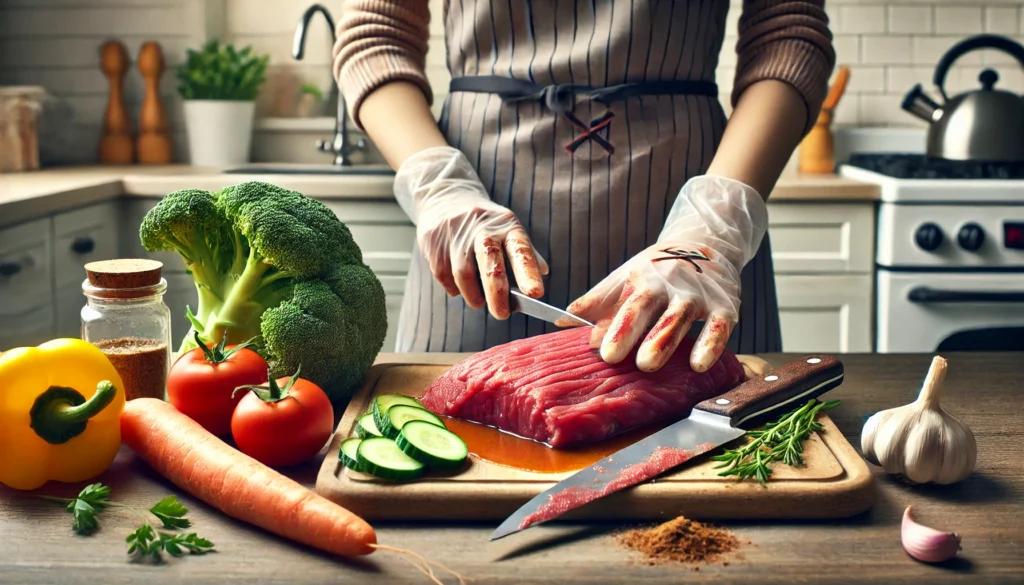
(928, 237)
(971, 237)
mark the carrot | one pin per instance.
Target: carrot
(189, 456)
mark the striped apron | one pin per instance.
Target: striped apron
(584, 118)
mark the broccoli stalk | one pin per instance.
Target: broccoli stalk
(273, 263)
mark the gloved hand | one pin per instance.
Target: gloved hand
(693, 272)
(462, 232)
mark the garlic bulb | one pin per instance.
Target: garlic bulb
(925, 543)
(921, 441)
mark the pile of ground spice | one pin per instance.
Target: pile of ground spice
(141, 363)
(680, 540)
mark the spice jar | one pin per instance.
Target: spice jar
(125, 316)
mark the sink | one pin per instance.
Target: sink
(309, 169)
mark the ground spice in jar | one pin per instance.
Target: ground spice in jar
(141, 363)
(680, 540)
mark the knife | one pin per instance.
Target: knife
(711, 423)
(520, 303)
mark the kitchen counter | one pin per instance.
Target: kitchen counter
(982, 390)
(24, 196)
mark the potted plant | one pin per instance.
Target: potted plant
(219, 86)
(310, 101)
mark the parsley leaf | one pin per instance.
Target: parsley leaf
(90, 501)
(190, 542)
(170, 511)
(148, 544)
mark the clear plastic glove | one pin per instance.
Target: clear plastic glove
(463, 234)
(692, 273)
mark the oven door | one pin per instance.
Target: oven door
(930, 312)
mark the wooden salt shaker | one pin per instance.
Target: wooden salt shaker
(116, 144)
(154, 143)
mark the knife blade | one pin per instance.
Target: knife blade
(711, 423)
(520, 303)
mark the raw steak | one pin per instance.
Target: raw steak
(555, 389)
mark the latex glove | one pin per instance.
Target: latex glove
(693, 272)
(463, 234)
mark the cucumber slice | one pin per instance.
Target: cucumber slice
(382, 403)
(400, 414)
(349, 453)
(366, 428)
(382, 457)
(431, 444)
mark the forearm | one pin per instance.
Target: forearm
(398, 120)
(765, 128)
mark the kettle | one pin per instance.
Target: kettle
(984, 124)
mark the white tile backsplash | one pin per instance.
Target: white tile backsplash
(889, 45)
(861, 19)
(910, 19)
(1003, 20)
(886, 49)
(965, 20)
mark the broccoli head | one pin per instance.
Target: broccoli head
(272, 263)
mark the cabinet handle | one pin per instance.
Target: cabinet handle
(9, 268)
(83, 245)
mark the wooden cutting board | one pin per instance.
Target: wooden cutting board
(834, 483)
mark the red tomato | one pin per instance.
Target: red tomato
(284, 423)
(201, 383)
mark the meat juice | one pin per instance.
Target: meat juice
(509, 450)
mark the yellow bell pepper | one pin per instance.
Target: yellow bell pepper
(60, 411)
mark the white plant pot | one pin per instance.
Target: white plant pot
(219, 131)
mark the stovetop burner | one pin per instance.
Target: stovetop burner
(919, 166)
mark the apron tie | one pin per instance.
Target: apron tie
(561, 98)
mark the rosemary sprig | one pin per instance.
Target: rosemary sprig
(780, 440)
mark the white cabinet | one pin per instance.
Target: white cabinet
(80, 236)
(26, 289)
(825, 313)
(822, 253)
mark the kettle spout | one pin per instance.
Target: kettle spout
(919, 104)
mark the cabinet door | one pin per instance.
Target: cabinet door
(26, 276)
(394, 289)
(383, 231)
(80, 236)
(829, 313)
(820, 237)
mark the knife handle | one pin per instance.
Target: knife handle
(781, 389)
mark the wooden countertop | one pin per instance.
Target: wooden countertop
(982, 390)
(25, 196)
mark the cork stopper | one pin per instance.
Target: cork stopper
(122, 278)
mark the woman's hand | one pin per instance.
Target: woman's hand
(692, 273)
(463, 234)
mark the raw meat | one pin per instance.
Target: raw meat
(555, 389)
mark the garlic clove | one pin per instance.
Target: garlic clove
(925, 543)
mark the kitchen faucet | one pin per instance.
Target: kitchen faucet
(340, 145)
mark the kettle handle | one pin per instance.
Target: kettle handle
(972, 44)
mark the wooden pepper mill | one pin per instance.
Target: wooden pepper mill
(817, 150)
(116, 144)
(154, 142)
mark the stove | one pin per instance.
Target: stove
(949, 255)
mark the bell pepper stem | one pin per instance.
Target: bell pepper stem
(104, 395)
(61, 414)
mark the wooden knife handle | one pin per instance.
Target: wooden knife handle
(780, 390)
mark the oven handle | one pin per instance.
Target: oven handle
(924, 294)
